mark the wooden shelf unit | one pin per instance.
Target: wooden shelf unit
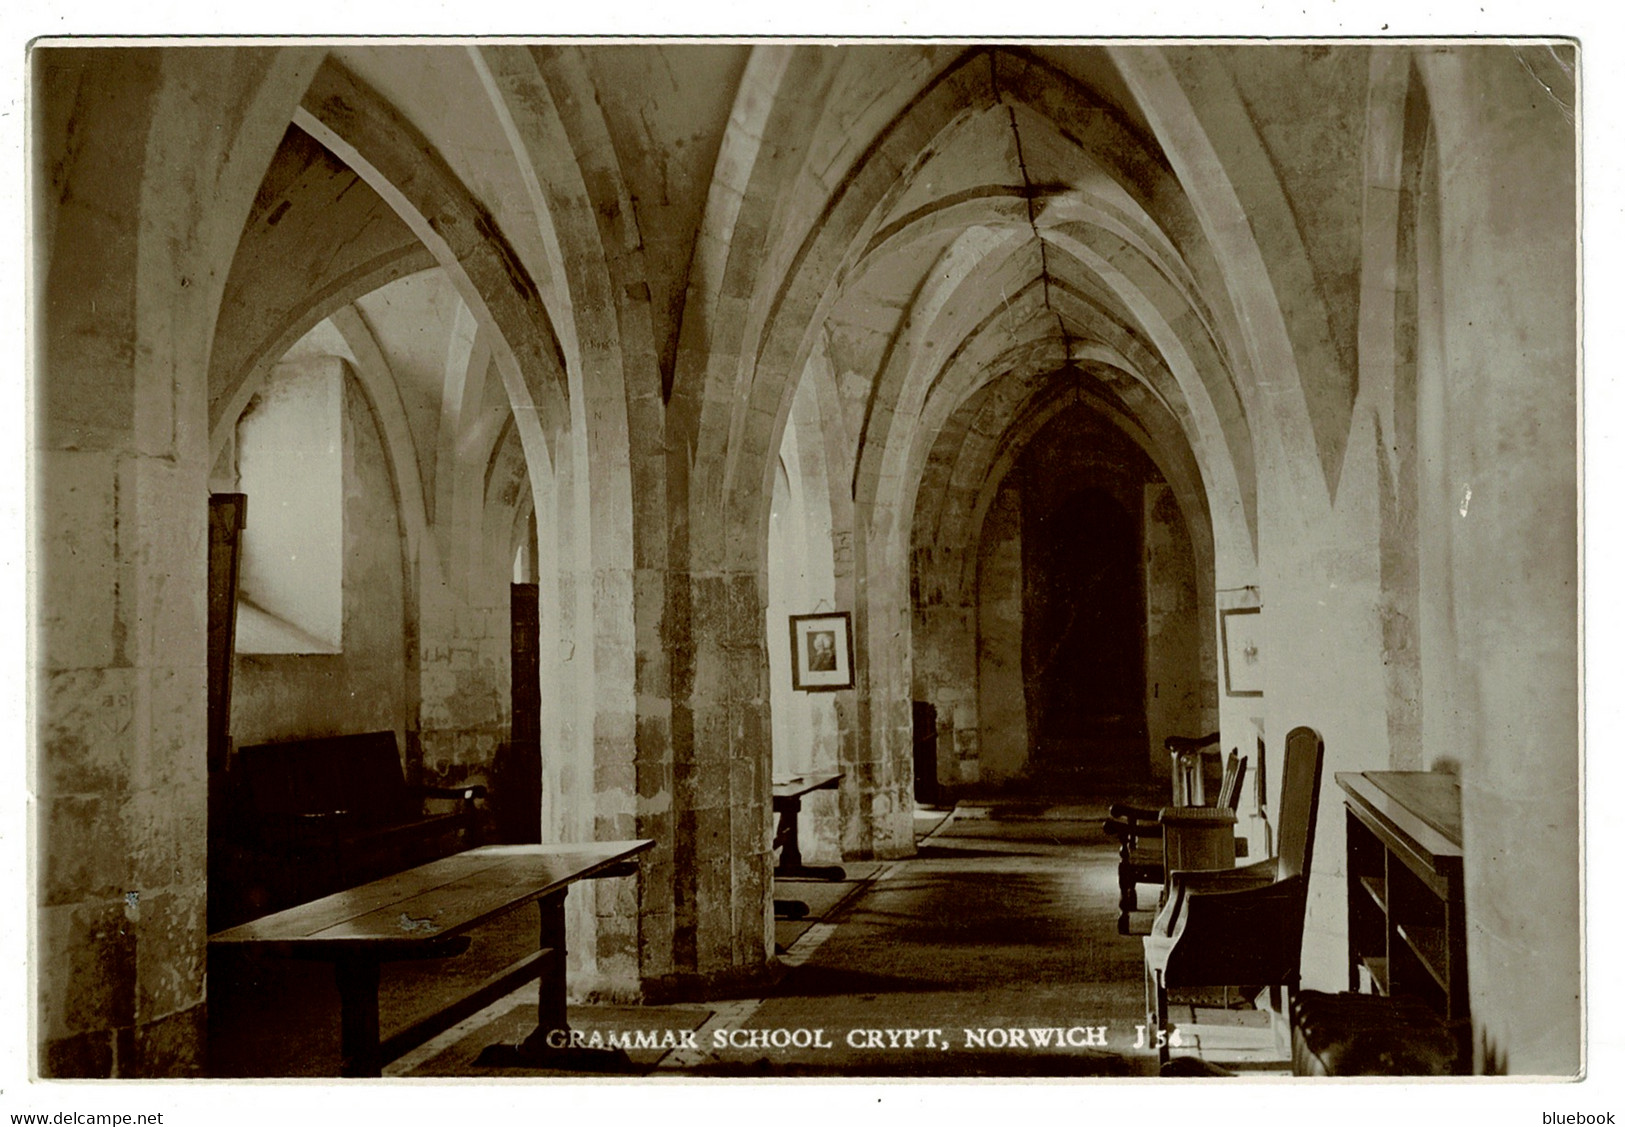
(1407, 921)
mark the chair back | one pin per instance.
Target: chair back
(1187, 752)
(1300, 794)
(1235, 772)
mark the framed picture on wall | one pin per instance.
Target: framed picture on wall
(1240, 631)
(821, 651)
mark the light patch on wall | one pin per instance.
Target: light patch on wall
(290, 462)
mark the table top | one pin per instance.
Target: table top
(422, 906)
(1420, 809)
(803, 784)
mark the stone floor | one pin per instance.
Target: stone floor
(999, 934)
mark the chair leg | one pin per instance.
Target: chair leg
(1127, 900)
(1281, 1022)
(1281, 1017)
(1150, 1003)
(1165, 1033)
(1156, 1014)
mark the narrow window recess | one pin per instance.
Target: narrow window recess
(290, 463)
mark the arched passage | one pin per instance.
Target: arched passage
(1060, 596)
(988, 220)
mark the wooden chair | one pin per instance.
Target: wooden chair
(1200, 837)
(1187, 754)
(1242, 926)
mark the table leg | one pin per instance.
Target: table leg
(358, 1014)
(790, 832)
(790, 862)
(552, 1006)
(549, 1044)
(788, 838)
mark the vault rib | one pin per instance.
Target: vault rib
(1028, 193)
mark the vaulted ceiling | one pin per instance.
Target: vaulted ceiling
(950, 217)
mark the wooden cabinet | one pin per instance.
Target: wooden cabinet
(1407, 923)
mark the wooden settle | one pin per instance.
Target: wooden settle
(304, 818)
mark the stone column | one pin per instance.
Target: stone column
(1175, 704)
(1002, 705)
(121, 555)
(145, 182)
(1507, 254)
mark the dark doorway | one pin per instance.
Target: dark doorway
(1083, 638)
(517, 773)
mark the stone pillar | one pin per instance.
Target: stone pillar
(122, 778)
(121, 546)
(148, 181)
(652, 944)
(945, 672)
(1507, 254)
(1002, 700)
(722, 756)
(879, 809)
(122, 551)
(1175, 704)
(463, 712)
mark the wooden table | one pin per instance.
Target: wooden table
(425, 913)
(787, 796)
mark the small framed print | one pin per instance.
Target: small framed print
(821, 652)
(1241, 634)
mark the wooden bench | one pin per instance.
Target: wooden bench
(425, 913)
(787, 796)
(303, 818)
